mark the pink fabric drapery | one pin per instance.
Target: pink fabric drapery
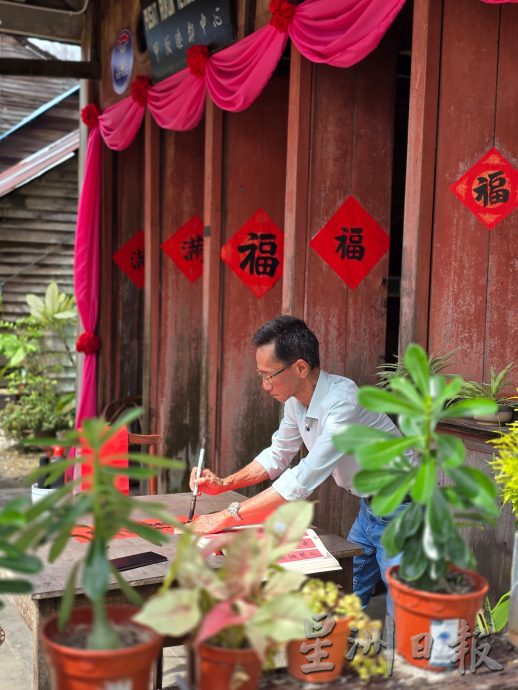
(336, 32)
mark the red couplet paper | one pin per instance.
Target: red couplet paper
(114, 452)
(130, 259)
(351, 242)
(489, 188)
(255, 253)
(185, 248)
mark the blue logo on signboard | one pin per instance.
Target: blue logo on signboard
(122, 61)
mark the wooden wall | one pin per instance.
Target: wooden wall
(314, 136)
(459, 280)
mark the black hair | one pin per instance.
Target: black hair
(292, 338)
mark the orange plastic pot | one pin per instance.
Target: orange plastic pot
(335, 655)
(417, 612)
(84, 669)
(215, 667)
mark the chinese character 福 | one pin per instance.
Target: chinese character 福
(350, 244)
(260, 254)
(491, 189)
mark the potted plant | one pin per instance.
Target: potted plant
(434, 587)
(505, 465)
(389, 370)
(337, 615)
(98, 645)
(494, 390)
(238, 613)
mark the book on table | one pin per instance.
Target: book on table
(309, 557)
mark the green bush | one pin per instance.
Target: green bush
(39, 411)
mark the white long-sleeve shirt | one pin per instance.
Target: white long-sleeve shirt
(333, 405)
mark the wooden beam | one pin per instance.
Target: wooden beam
(420, 174)
(211, 301)
(20, 67)
(41, 22)
(297, 176)
(152, 337)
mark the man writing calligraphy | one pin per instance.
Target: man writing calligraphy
(316, 406)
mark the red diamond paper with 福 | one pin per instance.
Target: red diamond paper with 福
(351, 242)
(130, 258)
(185, 248)
(489, 188)
(255, 253)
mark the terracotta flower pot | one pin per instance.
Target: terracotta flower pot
(417, 612)
(84, 669)
(336, 652)
(216, 667)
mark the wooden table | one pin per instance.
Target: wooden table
(48, 586)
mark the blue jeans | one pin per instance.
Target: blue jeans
(367, 531)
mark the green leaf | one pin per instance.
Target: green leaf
(377, 400)
(476, 486)
(391, 496)
(376, 455)
(414, 562)
(425, 481)
(458, 552)
(367, 482)
(407, 390)
(175, 612)
(67, 601)
(416, 362)
(15, 587)
(287, 525)
(451, 449)
(470, 408)
(438, 517)
(355, 436)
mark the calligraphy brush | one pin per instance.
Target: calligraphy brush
(195, 487)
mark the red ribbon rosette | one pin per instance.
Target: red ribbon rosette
(282, 13)
(90, 115)
(139, 89)
(197, 58)
(88, 343)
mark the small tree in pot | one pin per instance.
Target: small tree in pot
(104, 637)
(433, 574)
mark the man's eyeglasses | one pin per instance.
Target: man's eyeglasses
(267, 378)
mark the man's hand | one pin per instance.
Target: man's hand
(207, 524)
(208, 483)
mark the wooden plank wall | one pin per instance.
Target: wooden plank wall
(37, 228)
(473, 302)
(341, 133)
(460, 279)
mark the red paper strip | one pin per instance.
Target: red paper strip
(489, 188)
(255, 253)
(351, 242)
(84, 533)
(130, 258)
(185, 248)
